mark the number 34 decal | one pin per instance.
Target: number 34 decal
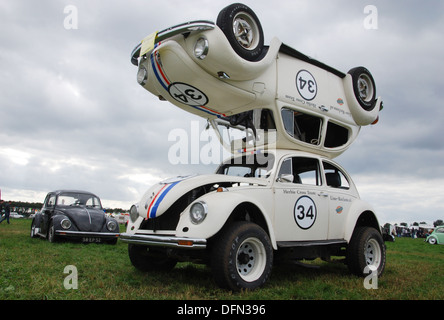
(305, 212)
(189, 95)
(306, 84)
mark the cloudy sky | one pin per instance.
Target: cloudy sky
(73, 116)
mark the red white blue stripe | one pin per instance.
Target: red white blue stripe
(157, 199)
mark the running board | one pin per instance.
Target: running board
(292, 244)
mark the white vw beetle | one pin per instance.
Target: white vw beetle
(257, 207)
(224, 69)
(280, 195)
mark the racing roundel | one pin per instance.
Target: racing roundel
(306, 85)
(187, 94)
(305, 212)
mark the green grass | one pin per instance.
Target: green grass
(32, 269)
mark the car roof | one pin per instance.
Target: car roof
(57, 192)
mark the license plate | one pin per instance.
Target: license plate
(91, 239)
(148, 43)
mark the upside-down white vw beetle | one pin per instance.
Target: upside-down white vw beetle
(280, 195)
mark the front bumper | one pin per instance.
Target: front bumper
(187, 27)
(164, 241)
(86, 234)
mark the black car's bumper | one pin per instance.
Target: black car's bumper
(88, 236)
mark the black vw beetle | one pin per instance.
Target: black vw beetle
(76, 215)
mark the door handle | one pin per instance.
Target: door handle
(323, 194)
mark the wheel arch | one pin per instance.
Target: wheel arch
(367, 218)
(248, 211)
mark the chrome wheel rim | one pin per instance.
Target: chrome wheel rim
(365, 87)
(246, 31)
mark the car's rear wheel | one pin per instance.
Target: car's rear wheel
(242, 257)
(432, 240)
(150, 259)
(33, 231)
(243, 30)
(366, 250)
(364, 87)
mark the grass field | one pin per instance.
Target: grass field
(33, 269)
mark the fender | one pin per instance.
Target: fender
(220, 207)
(360, 214)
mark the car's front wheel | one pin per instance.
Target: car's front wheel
(243, 30)
(242, 257)
(51, 233)
(366, 252)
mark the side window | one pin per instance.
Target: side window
(50, 201)
(303, 170)
(334, 177)
(301, 126)
(336, 135)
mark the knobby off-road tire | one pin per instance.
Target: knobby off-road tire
(148, 259)
(242, 257)
(366, 248)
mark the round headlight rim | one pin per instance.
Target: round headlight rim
(203, 46)
(112, 223)
(134, 213)
(65, 223)
(203, 216)
(142, 75)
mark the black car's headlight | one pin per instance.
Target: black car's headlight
(111, 225)
(198, 212)
(65, 223)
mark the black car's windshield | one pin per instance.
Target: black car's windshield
(78, 199)
(251, 165)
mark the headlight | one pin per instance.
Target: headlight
(142, 75)
(111, 225)
(198, 212)
(65, 223)
(201, 48)
(134, 213)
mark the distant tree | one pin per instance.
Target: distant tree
(438, 222)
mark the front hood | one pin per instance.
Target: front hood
(85, 219)
(162, 195)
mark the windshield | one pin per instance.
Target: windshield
(251, 165)
(246, 130)
(78, 199)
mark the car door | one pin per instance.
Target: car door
(301, 207)
(341, 195)
(47, 212)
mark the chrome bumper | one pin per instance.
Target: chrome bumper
(200, 25)
(86, 234)
(164, 241)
